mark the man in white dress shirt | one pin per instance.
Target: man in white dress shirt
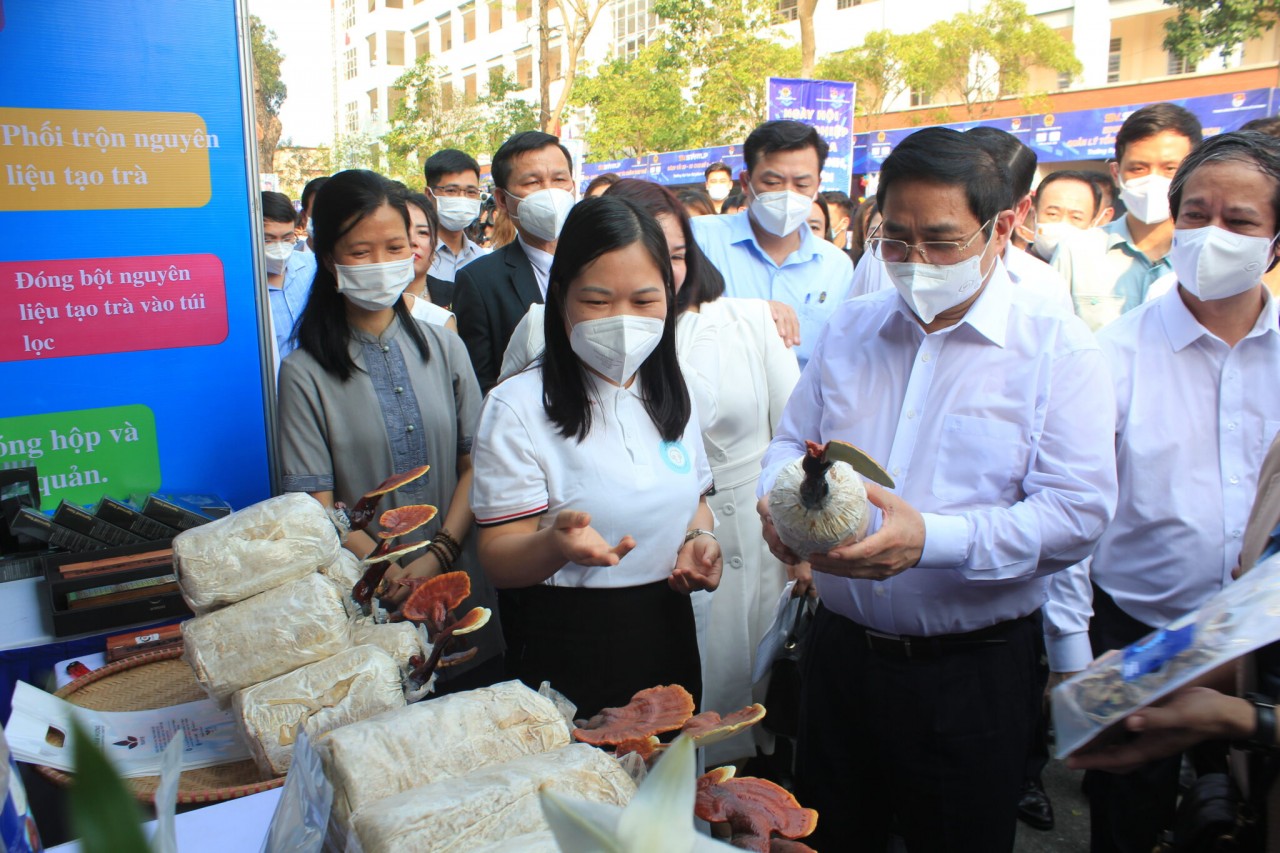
(1193, 373)
(989, 406)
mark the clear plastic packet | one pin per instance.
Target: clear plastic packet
(1240, 618)
(302, 813)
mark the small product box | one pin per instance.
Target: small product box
(112, 588)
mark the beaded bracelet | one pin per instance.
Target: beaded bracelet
(445, 538)
(442, 554)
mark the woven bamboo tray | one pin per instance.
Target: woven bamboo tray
(159, 680)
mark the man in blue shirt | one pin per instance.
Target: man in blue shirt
(767, 251)
(289, 273)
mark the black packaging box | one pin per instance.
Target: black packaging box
(83, 620)
(122, 515)
(38, 526)
(86, 523)
(171, 514)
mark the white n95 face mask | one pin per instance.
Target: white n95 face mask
(374, 286)
(615, 347)
(542, 213)
(277, 256)
(457, 213)
(719, 192)
(1213, 263)
(1049, 235)
(930, 289)
(781, 212)
(1147, 198)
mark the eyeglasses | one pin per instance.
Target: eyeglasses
(941, 252)
(455, 191)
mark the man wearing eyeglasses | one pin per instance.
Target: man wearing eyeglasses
(453, 180)
(992, 410)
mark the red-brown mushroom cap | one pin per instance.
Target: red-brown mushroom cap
(405, 519)
(396, 481)
(650, 712)
(709, 727)
(476, 618)
(755, 810)
(432, 600)
(645, 747)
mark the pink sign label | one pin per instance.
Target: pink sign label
(91, 306)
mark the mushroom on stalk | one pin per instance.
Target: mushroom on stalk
(819, 500)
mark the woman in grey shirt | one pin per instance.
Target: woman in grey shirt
(370, 391)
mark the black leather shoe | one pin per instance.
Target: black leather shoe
(1034, 808)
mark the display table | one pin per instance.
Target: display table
(234, 825)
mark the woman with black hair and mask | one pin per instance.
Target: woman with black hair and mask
(591, 481)
(371, 392)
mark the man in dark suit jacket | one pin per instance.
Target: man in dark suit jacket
(533, 183)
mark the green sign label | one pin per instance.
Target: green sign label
(81, 456)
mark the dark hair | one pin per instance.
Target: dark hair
(717, 167)
(782, 136)
(697, 198)
(826, 215)
(522, 143)
(945, 156)
(733, 202)
(1106, 187)
(606, 180)
(597, 226)
(313, 186)
(702, 281)
(1073, 175)
(323, 331)
(836, 198)
(1250, 147)
(448, 161)
(1016, 160)
(277, 208)
(420, 201)
(1269, 126)
(1154, 119)
(861, 227)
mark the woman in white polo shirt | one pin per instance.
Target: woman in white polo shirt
(590, 478)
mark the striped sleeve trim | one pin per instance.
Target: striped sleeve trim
(493, 521)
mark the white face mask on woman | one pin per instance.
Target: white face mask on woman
(1213, 263)
(374, 286)
(542, 213)
(1147, 198)
(615, 347)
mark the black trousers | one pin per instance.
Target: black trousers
(931, 749)
(599, 647)
(1127, 813)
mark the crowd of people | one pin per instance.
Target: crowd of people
(1066, 384)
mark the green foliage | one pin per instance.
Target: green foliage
(266, 65)
(731, 98)
(103, 814)
(885, 66)
(424, 121)
(1223, 25)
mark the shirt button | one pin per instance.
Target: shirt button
(926, 358)
(1231, 426)
(897, 470)
(880, 590)
(736, 562)
(729, 509)
(399, 389)
(911, 413)
(1235, 534)
(1235, 480)
(409, 428)
(386, 348)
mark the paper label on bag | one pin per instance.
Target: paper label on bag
(134, 741)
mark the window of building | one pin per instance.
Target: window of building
(788, 10)
(373, 103)
(348, 14)
(469, 85)
(921, 99)
(373, 4)
(1178, 65)
(421, 42)
(1064, 80)
(446, 96)
(524, 70)
(1113, 62)
(633, 21)
(847, 4)
(353, 117)
(469, 23)
(395, 48)
(395, 4)
(349, 64)
(446, 33)
(495, 15)
(496, 73)
(524, 10)
(394, 97)
(373, 49)
(556, 62)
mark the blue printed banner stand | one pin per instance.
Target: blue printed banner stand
(133, 354)
(672, 167)
(827, 105)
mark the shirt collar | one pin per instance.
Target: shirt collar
(988, 315)
(605, 389)
(740, 231)
(469, 247)
(361, 339)
(1183, 329)
(541, 260)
